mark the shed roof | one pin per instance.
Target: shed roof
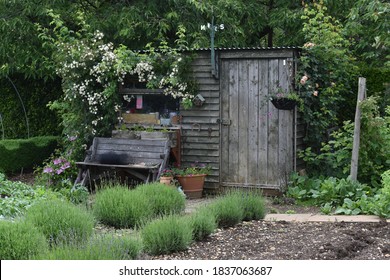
(246, 48)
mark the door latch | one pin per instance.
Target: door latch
(225, 122)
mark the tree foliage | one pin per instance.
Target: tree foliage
(135, 23)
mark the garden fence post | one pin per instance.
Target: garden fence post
(356, 132)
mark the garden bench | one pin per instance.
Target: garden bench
(143, 159)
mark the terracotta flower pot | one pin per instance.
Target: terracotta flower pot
(166, 180)
(192, 185)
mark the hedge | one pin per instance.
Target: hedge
(25, 153)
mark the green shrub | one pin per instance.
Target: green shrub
(61, 222)
(164, 200)
(228, 209)
(382, 203)
(121, 208)
(166, 235)
(334, 159)
(254, 205)
(20, 240)
(203, 223)
(25, 153)
(16, 197)
(106, 247)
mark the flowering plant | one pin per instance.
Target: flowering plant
(280, 93)
(168, 173)
(193, 169)
(57, 173)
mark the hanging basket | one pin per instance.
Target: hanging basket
(284, 103)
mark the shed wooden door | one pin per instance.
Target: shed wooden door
(257, 140)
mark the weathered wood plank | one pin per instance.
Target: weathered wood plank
(129, 148)
(273, 126)
(205, 153)
(224, 80)
(202, 140)
(190, 135)
(253, 121)
(149, 142)
(209, 87)
(284, 119)
(202, 145)
(243, 120)
(257, 54)
(234, 118)
(129, 155)
(263, 121)
(201, 113)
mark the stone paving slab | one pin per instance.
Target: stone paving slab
(323, 218)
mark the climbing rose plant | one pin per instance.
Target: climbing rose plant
(91, 70)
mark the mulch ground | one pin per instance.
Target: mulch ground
(278, 240)
(262, 240)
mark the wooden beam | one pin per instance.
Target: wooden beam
(356, 133)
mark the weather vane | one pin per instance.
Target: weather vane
(213, 28)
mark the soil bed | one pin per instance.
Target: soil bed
(291, 241)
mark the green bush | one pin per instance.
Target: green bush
(382, 203)
(342, 196)
(228, 209)
(166, 235)
(16, 197)
(121, 208)
(106, 247)
(334, 159)
(61, 222)
(164, 200)
(25, 153)
(254, 205)
(20, 240)
(203, 223)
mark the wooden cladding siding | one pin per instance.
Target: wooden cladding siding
(200, 129)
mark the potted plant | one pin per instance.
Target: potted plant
(192, 179)
(166, 176)
(285, 100)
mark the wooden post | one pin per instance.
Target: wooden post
(356, 132)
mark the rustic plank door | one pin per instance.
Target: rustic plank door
(257, 140)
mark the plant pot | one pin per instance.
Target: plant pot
(192, 185)
(284, 103)
(166, 180)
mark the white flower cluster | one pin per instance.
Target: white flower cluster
(172, 86)
(128, 98)
(88, 66)
(145, 72)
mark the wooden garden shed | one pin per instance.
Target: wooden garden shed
(237, 130)
(246, 140)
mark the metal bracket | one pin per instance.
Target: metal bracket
(225, 122)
